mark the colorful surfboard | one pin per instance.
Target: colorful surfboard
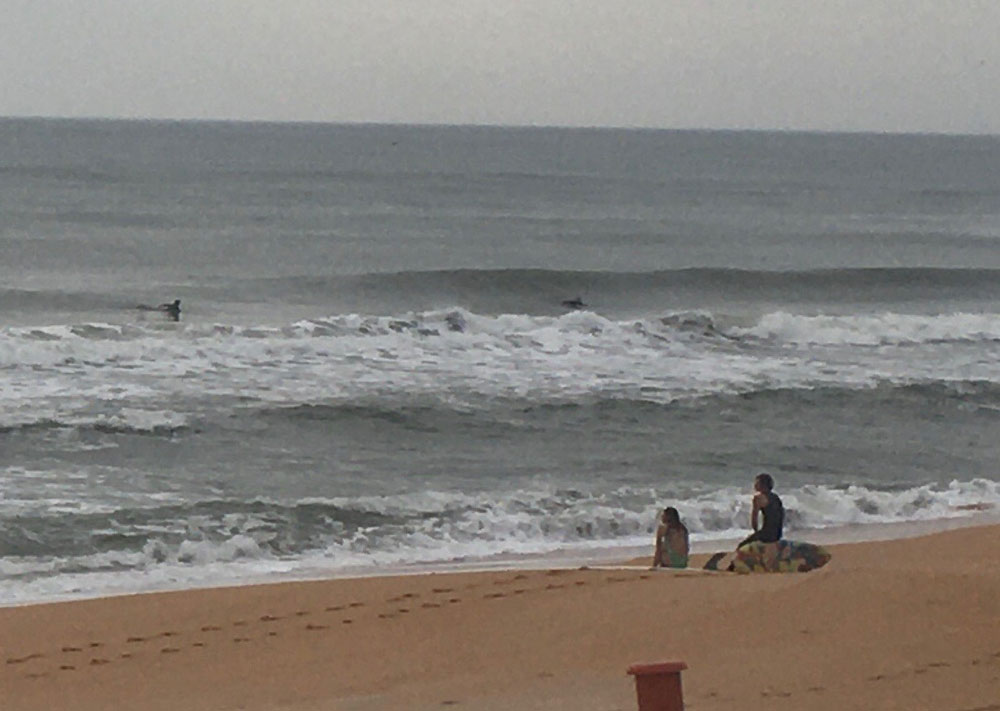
(780, 557)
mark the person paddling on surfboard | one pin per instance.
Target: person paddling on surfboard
(671, 541)
(173, 310)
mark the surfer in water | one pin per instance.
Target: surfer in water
(576, 303)
(172, 310)
(671, 541)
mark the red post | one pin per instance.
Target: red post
(658, 686)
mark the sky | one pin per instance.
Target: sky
(839, 65)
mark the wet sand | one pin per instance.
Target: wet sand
(909, 624)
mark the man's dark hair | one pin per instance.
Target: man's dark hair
(766, 481)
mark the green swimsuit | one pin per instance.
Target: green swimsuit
(674, 559)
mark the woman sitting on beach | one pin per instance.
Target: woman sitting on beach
(671, 541)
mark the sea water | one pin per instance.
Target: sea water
(373, 368)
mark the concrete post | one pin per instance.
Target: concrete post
(658, 686)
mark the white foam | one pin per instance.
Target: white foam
(875, 329)
(440, 527)
(555, 359)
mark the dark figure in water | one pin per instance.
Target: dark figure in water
(172, 310)
(576, 303)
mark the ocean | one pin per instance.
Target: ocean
(373, 368)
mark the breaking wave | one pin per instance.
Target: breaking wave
(213, 541)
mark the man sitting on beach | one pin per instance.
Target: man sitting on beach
(767, 504)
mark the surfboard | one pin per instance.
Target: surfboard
(780, 557)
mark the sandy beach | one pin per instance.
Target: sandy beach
(909, 624)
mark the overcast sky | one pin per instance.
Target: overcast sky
(881, 65)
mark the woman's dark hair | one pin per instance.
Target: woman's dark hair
(766, 481)
(671, 517)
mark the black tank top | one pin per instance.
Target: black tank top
(774, 519)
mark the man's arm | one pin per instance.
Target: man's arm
(755, 509)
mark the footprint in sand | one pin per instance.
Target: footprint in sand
(72, 649)
(268, 618)
(125, 655)
(346, 622)
(211, 628)
(386, 616)
(168, 634)
(493, 596)
(134, 640)
(454, 599)
(520, 591)
(95, 645)
(240, 623)
(553, 586)
(241, 639)
(169, 650)
(430, 604)
(335, 608)
(67, 667)
(360, 604)
(580, 582)
(22, 660)
(442, 590)
(403, 610)
(302, 613)
(313, 627)
(97, 662)
(197, 644)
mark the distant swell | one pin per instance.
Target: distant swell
(541, 284)
(107, 427)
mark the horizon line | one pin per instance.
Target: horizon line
(470, 125)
